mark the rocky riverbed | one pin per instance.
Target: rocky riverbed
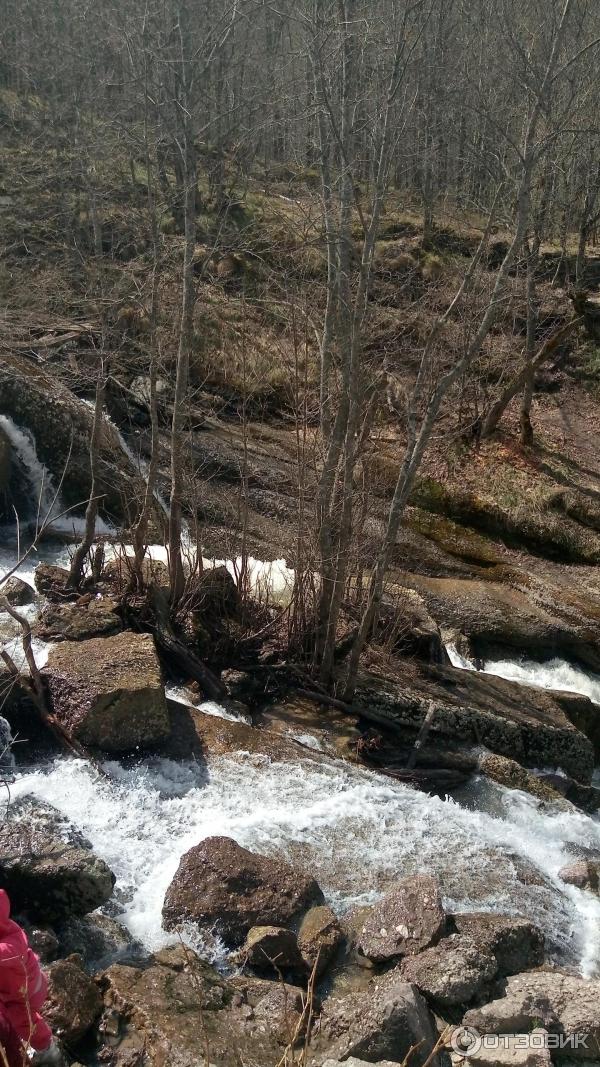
(183, 888)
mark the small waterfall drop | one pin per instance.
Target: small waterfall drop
(43, 498)
(554, 673)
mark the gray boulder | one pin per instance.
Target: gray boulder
(49, 870)
(584, 874)
(273, 949)
(406, 920)
(17, 592)
(382, 1022)
(516, 943)
(74, 1000)
(451, 973)
(562, 1003)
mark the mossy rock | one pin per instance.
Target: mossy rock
(542, 534)
(455, 539)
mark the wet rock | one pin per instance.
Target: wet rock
(516, 943)
(322, 729)
(562, 1003)
(210, 736)
(272, 948)
(406, 921)
(385, 1021)
(509, 773)
(78, 621)
(584, 874)
(107, 693)
(516, 611)
(219, 882)
(451, 973)
(39, 402)
(74, 1000)
(532, 726)
(98, 940)
(47, 867)
(50, 579)
(319, 938)
(44, 943)
(175, 1006)
(18, 592)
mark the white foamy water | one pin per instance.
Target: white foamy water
(45, 502)
(552, 674)
(356, 831)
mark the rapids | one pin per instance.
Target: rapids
(355, 830)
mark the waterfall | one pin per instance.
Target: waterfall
(43, 492)
(552, 674)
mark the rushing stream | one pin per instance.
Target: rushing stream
(355, 830)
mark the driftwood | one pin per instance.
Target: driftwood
(421, 736)
(177, 654)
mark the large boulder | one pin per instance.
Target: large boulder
(563, 1003)
(17, 592)
(108, 693)
(74, 1000)
(383, 1022)
(405, 921)
(49, 870)
(533, 726)
(51, 580)
(86, 618)
(451, 973)
(219, 882)
(172, 1008)
(516, 943)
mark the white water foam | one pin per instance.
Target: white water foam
(356, 831)
(43, 494)
(46, 503)
(551, 674)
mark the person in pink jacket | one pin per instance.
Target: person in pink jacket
(23, 989)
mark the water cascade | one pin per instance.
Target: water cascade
(355, 830)
(43, 500)
(552, 674)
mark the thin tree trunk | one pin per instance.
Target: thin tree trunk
(91, 511)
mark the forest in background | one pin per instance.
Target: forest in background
(366, 220)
